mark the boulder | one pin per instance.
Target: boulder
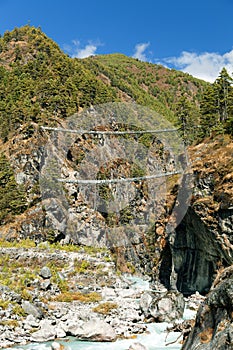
(43, 335)
(46, 333)
(163, 307)
(30, 322)
(45, 285)
(96, 330)
(31, 309)
(145, 302)
(45, 272)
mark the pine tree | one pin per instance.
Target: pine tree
(209, 111)
(188, 119)
(217, 106)
(12, 197)
(224, 94)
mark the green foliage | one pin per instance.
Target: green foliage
(92, 297)
(148, 84)
(12, 196)
(39, 83)
(188, 119)
(4, 304)
(217, 106)
(24, 243)
(42, 82)
(18, 310)
(82, 266)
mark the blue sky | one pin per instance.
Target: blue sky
(194, 36)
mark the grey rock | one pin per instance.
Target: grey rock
(96, 330)
(31, 309)
(56, 346)
(167, 307)
(73, 327)
(43, 335)
(60, 330)
(45, 272)
(145, 302)
(46, 333)
(30, 322)
(164, 307)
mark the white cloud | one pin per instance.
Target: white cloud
(75, 50)
(204, 66)
(86, 52)
(140, 51)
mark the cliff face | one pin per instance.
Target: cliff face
(203, 243)
(186, 258)
(214, 321)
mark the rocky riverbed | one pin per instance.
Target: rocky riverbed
(50, 294)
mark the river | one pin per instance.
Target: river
(156, 339)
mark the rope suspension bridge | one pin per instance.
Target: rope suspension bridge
(108, 132)
(112, 202)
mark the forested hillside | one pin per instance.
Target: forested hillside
(41, 85)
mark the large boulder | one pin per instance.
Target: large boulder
(213, 329)
(31, 309)
(46, 332)
(163, 307)
(96, 330)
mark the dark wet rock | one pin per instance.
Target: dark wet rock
(213, 329)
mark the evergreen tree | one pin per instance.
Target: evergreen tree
(209, 111)
(188, 119)
(224, 94)
(217, 106)
(12, 197)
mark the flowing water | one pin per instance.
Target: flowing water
(153, 341)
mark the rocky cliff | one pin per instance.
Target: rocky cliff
(202, 243)
(214, 321)
(186, 257)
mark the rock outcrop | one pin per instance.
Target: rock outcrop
(202, 243)
(162, 306)
(185, 258)
(213, 329)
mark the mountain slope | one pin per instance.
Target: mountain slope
(40, 83)
(148, 84)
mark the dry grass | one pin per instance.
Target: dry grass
(206, 335)
(105, 308)
(92, 297)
